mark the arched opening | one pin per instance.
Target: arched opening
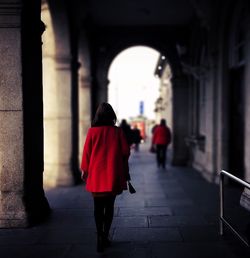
(140, 88)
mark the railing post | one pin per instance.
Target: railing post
(222, 219)
(221, 203)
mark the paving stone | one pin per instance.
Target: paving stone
(175, 194)
(185, 210)
(73, 236)
(169, 202)
(200, 233)
(130, 202)
(37, 251)
(145, 235)
(145, 211)
(70, 219)
(193, 250)
(126, 222)
(89, 251)
(156, 202)
(20, 236)
(118, 250)
(158, 195)
(175, 221)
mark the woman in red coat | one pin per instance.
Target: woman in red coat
(104, 167)
(161, 138)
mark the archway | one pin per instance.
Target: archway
(139, 79)
(103, 59)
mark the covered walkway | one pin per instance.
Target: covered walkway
(173, 214)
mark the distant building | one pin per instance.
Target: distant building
(163, 105)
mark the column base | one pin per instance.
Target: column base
(58, 175)
(12, 210)
(13, 223)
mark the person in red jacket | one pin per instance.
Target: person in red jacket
(161, 139)
(105, 168)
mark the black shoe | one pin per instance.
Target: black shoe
(100, 244)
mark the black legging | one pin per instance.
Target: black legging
(104, 213)
(161, 155)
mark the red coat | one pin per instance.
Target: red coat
(103, 157)
(162, 135)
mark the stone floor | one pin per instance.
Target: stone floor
(174, 214)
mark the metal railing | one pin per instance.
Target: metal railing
(222, 218)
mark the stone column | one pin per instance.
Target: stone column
(102, 94)
(99, 87)
(84, 109)
(64, 120)
(58, 128)
(245, 198)
(12, 210)
(180, 121)
(84, 90)
(22, 199)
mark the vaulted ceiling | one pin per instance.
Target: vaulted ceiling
(134, 12)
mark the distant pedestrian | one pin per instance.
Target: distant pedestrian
(136, 137)
(153, 147)
(105, 168)
(153, 128)
(161, 140)
(127, 131)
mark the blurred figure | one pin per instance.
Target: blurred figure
(127, 131)
(161, 139)
(153, 128)
(136, 137)
(105, 168)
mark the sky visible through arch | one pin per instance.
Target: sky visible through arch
(132, 80)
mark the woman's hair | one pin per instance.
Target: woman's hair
(104, 115)
(163, 122)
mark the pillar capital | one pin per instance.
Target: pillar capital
(85, 81)
(10, 14)
(63, 62)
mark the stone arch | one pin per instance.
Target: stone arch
(110, 55)
(180, 89)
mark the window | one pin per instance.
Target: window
(238, 39)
